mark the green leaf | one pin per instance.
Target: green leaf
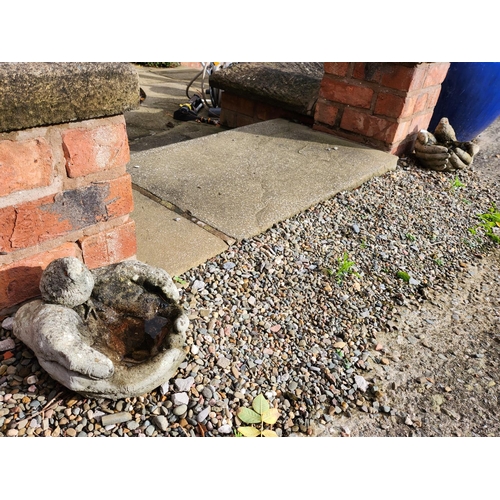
(404, 276)
(248, 416)
(270, 416)
(249, 431)
(260, 404)
(269, 434)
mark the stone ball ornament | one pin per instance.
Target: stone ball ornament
(113, 332)
(442, 151)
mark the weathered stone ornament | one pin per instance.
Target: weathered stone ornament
(441, 151)
(113, 332)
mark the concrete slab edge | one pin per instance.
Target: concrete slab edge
(187, 215)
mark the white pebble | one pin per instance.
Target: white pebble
(7, 344)
(7, 323)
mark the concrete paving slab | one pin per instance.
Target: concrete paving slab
(244, 180)
(168, 241)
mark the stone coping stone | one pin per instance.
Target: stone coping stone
(293, 86)
(40, 94)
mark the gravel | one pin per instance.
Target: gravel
(293, 313)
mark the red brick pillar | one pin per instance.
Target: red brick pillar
(382, 105)
(64, 189)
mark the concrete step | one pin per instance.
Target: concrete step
(240, 182)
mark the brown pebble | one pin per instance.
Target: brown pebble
(385, 361)
(71, 432)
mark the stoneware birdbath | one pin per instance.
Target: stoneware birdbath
(113, 332)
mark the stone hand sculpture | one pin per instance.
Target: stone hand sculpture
(113, 332)
(441, 151)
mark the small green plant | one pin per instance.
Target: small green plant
(410, 237)
(260, 413)
(439, 262)
(363, 244)
(456, 183)
(344, 267)
(403, 276)
(489, 220)
(179, 280)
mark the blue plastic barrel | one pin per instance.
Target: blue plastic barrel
(470, 98)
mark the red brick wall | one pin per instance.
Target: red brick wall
(64, 191)
(383, 105)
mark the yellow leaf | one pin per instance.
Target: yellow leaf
(249, 431)
(260, 404)
(269, 434)
(270, 416)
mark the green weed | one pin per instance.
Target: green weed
(345, 267)
(456, 183)
(489, 221)
(179, 280)
(403, 276)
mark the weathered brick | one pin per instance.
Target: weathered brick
(368, 72)
(24, 165)
(19, 281)
(401, 131)
(389, 104)
(336, 68)
(436, 73)
(92, 150)
(420, 122)
(368, 125)
(419, 103)
(243, 120)
(7, 224)
(432, 97)
(108, 247)
(120, 200)
(346, 93)
(31, 223)
(241, 105)
(228, 118)
(264, 111)
(325, 112)
(396, 76)
(35, 222)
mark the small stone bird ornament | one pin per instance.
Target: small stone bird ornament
(441, 151)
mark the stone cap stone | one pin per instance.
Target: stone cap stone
(293, 86)
(40, 94)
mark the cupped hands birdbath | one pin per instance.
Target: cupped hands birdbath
(112, 332)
